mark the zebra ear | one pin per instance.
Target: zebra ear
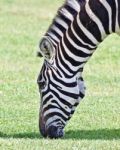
(46, 48)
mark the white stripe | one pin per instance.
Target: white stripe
(67, 14)
(87, 51)
(54, 42)
(62, 104)
(50, 102)
(64, 79)
(60, 71)
(117, 28)
(79, 38)
(74, 4)
(62, 67)
(66, 62)
(54, 104)
(74, 68)
(53, 36)
(56, 29)
(51, 119)
(62, 23)
(46, 95)
(65, 97)
(73, 90)
(86, 32)
(74, 57)
(53, 110)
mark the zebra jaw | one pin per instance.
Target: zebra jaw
(46, 48)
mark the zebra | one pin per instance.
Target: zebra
(71, 39)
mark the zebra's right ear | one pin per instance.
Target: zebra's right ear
(46, 48)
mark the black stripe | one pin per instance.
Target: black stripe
(113, 6)
(58, 65)
(64, 64)
(68, 58)
(61, 99)
(55, 33)
(69, 94)
(72, 84)
(65, 19)
(59, 26)
(119, 13)
(100, 11)
(50, 106)
(78, 41)
(50, 115)
(82, 95)
(59, 122)
(81, 34)
(47, 99)
(90, 25)
(47, 34)
(72, 11)
(73, 50)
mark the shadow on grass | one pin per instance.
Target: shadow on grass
(25, 135)
(100, 134)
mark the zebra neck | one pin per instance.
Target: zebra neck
(79, 27)
(95, 19)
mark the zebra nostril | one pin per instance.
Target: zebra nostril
(55, 132)
(60, 132)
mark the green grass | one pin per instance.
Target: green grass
(96, 123)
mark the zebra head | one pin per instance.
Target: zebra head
(77, 29)
(60, 94)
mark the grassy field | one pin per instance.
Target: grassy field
(96, 123)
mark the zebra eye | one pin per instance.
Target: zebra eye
(66, 107)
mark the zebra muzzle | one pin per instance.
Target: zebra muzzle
(55, 132)
(50, 131)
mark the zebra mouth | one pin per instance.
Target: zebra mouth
(55, 132)
(51, 131)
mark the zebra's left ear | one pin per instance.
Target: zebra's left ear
(46, 48)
